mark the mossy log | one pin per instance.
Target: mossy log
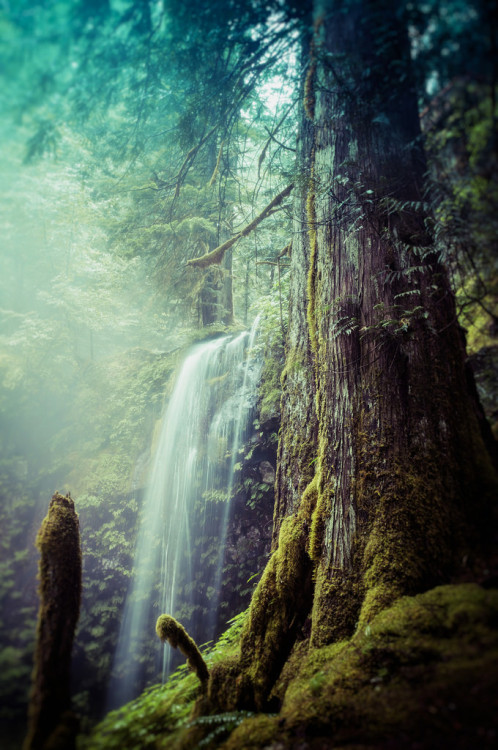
(169, 629)
(60, 594)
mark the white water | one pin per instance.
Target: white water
(186, 509)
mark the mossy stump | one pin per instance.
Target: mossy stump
(169, 629)
(60, 594)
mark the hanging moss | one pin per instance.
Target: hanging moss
(50, 722)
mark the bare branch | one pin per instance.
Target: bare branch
(189, 159)
(215, 172)
(272, 137)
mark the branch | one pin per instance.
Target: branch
(272, 137)
(217, 255)
(188, 160)
(286, 251)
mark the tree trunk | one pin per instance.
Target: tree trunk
(384, 483)
(216, 301)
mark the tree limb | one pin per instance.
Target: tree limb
(217, 255)
(188, 160)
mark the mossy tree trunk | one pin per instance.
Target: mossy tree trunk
(385, 484)
(50, 722)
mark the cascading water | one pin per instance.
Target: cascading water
(179, 552)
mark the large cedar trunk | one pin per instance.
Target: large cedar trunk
(384, 485)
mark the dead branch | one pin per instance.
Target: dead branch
(215, 171)
(286, 251)
(217, 255)
(272, 137)
(188, 160)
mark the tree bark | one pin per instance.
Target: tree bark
(384, 483)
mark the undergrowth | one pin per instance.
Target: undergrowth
(165, 709)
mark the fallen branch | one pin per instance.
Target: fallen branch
(217, 255)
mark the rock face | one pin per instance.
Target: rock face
(267, 472)
(250, 528)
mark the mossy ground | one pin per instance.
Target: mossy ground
(423, 674)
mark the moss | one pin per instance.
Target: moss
(168, 629)
(419, 672)
(413, 542)
(335, 606)
(422, 673)
(278, 609)
(60, 593)
(254, 732)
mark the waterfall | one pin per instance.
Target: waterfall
(179, 551)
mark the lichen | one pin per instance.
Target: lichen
(311, 284)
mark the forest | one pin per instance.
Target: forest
(249, 374)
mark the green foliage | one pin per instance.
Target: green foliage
(162, 708)
(219, 726)
(273, 308)
(462, 150)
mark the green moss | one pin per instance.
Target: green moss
(423, 672)
(60, 593)
(421, 668)
(336, 605)
(254, 732)
(279, 606)
(168, 629)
